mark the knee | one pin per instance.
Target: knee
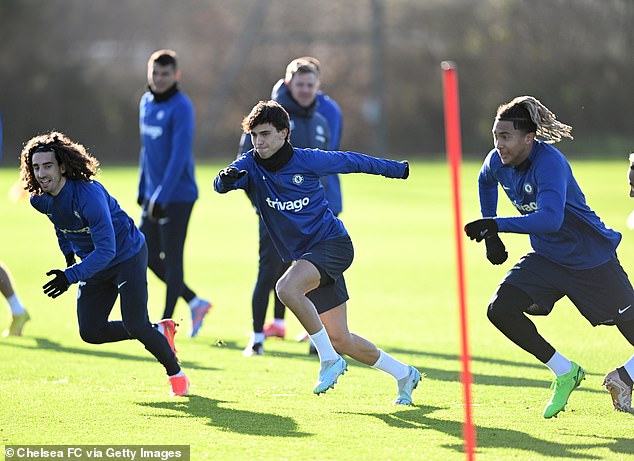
(285, 291)
(91, 335)
(507, 302)
(495, 312)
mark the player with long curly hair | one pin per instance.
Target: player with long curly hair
(89, 223)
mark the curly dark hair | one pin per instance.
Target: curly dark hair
(77, 162)
(267, 112)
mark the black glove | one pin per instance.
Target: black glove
(57, 286)
(406, 174)
(70, 259)
(496, 251)
(156, 211)
(481, 228)
(230, 175)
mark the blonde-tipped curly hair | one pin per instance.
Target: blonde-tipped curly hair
(528, 113)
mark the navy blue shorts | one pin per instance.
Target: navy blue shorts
(603, 295)
(331, 258)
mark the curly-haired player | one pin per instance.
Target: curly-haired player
(90, 224)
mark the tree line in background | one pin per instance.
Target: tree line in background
(80, 67)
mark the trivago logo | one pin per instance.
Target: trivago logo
(528, 207)
(151, 130)
(291, 205)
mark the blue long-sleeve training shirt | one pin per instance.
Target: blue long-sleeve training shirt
(291, 201)
(89, 222)
(561, 226)
(167, 160)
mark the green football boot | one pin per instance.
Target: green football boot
(562, 388)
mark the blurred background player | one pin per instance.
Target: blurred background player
(167, 185)
(89, 223)
(574, 253)
(19, 315)
(283, 183)
(329, 109)
(309, 129)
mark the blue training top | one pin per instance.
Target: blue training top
(167, 158)
(561, 226)
(291, 201)
(89, 222)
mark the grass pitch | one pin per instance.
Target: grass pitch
(58, 390)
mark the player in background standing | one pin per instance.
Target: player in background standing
(574, 253)
(309, 129)
(89, 223)
(284, 185)
(167, 185)
(329, 109)
(19, 315)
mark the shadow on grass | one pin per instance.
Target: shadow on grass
(93, 351)
(457, 358)
(229, 419)
(496, 380)
(442, 374)
(233, 345)
(493, 437)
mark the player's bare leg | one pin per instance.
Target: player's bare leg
(291, 288)
(336, 322)
(407, 377)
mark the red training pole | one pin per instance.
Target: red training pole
(454, 155)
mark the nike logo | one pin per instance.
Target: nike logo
(121, 284)
(624, 309)
(484, 232)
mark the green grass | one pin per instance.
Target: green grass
(55, 389)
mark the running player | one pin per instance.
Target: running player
(284, 185)
(89, 223)
(574, 253)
